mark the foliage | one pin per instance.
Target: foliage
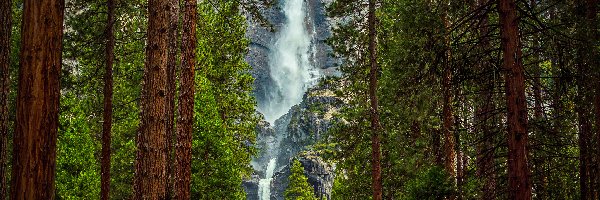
(430, 184)
(298, 188)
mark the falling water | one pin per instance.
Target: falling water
(289, 63)
(292, 74)
(264, 185)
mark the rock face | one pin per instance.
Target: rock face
(294, 132)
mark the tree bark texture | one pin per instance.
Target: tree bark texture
(375, 124)
(34, 153)
(108, 96)
(518, 170)
(150, 168)
(183, 149)
(171, 88)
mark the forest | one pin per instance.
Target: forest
(300, 99)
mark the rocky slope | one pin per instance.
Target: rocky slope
(301, 127)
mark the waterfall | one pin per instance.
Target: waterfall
(292, 73)
(264, 187)
(289, 63)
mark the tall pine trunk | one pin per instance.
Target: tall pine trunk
(5, 31)
(518, 170)
(375, 124)
(171, 88)
(150, 168)
(34, 153)
(183, 149)
(108, 96)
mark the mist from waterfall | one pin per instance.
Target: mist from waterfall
(289, 62)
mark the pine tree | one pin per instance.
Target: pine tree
(34, 150)
(518, 170)
(183, 149)
(298, 189)
(150, 168)
(108, 102)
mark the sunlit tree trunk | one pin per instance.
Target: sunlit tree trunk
(108, 95)
(34, 153)
(183, 149)
(375, 124)
(5, 32)
(518, 170)
(150, 168)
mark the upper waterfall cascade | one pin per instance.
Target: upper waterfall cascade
(290, 63)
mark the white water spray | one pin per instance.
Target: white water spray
(264, 185)
(289, 62)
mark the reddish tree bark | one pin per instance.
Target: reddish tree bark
(375, 124)
(34, 153)
(108, 96)
(183, 149)
(171, 88)
(518, 170)
(5, 32)
(150, 168)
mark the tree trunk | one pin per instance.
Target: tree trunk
(150, 168)
(518, 171)
(375, 124)
(592, 7)
(183, 149)
(485, 150)
(447, 115)
(108, 95)
(34, 153)
(5, 32)
(171, 88)
(584, 132)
